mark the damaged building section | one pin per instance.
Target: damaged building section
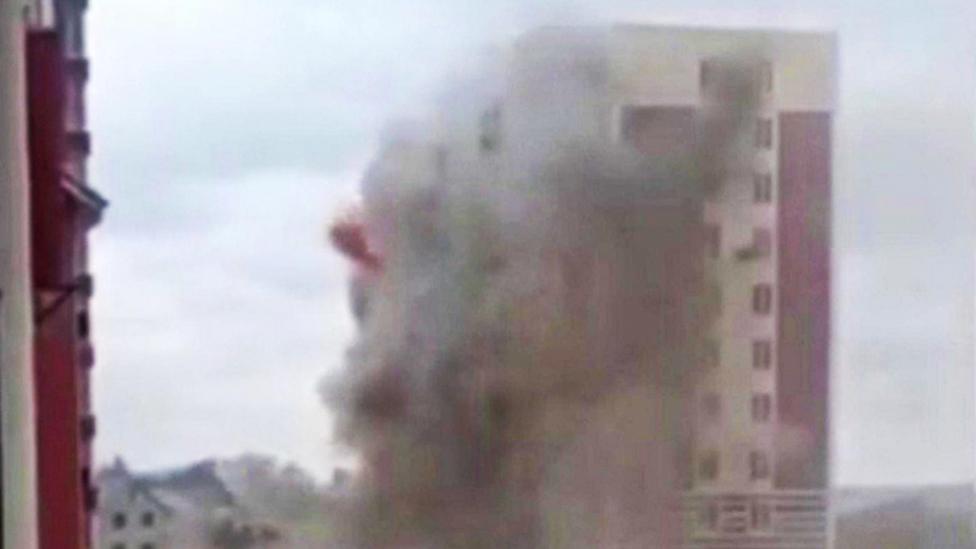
(594, 299)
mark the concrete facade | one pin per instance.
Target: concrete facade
(17, 445)
(63, 207)
(759, 449)
(756, 460)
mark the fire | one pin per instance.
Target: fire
(348, 234)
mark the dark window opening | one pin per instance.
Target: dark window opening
(762, 299)
(84, 326)
(762, 188)
(89, 491)
(762, 354)
(758, 465)
(88, 427)
(764, 133)
(148, 519)
(762, 407)
(118, 521)
(762, 241)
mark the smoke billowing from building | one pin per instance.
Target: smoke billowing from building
(534, 304)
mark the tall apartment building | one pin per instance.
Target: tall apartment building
(757, 458)
(46, 209)
(64, 207)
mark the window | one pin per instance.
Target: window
(759, 516)
(762, 354)
(762, 185)
(89, 490)
(118, 521)
(711, 406)
(88, 427)
(758, 465)
(713, 240)
(148, 519)
(84, 328)
(708, 466)
(118, 546)
(762, 241)
(762, 407)
(148, 546)
(764, 133)
(762, 299)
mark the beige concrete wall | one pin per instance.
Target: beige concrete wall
(659, 65)
(16, 380)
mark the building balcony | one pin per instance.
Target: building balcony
(88, 427)
(86, 355)
(92, 203)
(772, 519)
(77, 68)
(91, 498)
(79, 140)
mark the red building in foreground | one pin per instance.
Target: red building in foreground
(63, 208)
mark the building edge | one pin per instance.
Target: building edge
(19, 486)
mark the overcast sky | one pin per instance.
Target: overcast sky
(227, 133)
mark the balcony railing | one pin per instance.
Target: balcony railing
(746, 520)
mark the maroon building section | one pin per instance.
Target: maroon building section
(63, 209)
(802, 372)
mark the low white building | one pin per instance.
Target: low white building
(186, 508)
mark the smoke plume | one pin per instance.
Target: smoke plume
(528, 325)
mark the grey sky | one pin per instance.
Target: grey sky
(227, 132)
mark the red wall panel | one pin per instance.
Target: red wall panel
(55, 232)
(804, 299)
(51, 226)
